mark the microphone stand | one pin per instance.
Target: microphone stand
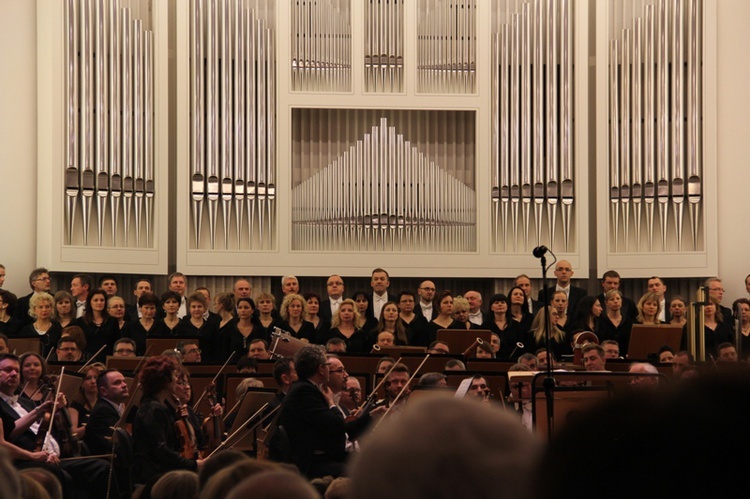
(549, 381)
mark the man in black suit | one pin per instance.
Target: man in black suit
(563, 273)
(311, 419)
(21, 423)
(40, 282)
(131, 311)
(611, 280)
(113, 391)
(335, 290)
(426, 294)
(524, 282)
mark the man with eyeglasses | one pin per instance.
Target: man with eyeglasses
(357, 420)
(40, 282)
(335, 290)
(191, 352)
(314, 424)
(124, 347)
(67, 350)
(715, 289)
(426, 294)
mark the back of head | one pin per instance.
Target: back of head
(46, 480)
(11, 485)
(224, 481)
(281, 484)
(178, 483)
(443, 447)
(666, 444)
(219, 461)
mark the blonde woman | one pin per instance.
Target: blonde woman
(344, 326)
(293, 311)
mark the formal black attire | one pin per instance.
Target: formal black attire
(356, 343)
(156, 448)
(264, 332)
(207, 333)
(558, 348)
(621, 333)
(628, 309)
(233, 341)
(430, 332)
(416, 328)
(316, 432)
(12, 328)
(509, 338)
(713, 338)
(82, 475)
(98, 336)
(574, 296)
(135, 331)
(21, 311)
(102, 419)
(418, 310)
(324, 311)
(306, 330)
(49, 339)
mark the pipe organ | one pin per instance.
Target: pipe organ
(655, 126)
(262, 137)
(109, 97)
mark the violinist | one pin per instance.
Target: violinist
(156, 445)
(351, 396)
(33, 370)
(394, 384)
(112, 389)
(22, 426)
(84, 400)
(183, 407)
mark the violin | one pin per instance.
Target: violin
(213, 426)
(185, 431)
(57, 421)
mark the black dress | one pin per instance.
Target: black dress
(305, 332)
(49, 338)
(135, 331)
(207, 333)
(621, 333)
(431, 330)
(156, 447)
(356, 343)
(97, 336)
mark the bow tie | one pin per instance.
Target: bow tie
(80, 303)
(13, 400)
(380, 298)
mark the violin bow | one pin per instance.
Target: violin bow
(213, 381)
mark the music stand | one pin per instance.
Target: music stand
(23, 345)
(157, 345)
(646, 339)
(122, 364)
(255, 398)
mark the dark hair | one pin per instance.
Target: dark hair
(170, 295)
(309, 296)
(247, 300)
(9, 355)
(583, 310)
(611, 273)
(280, 368)
(108, 277)
(407, 293)
(88, 315)
(35, 275)
(247, 362)
(226, 300)
(10, 299)
(381, 270)
(199, 297)
(308, 359)
(156, 375)
(148, 298)
(25, 356)
(665, 348)
(439, 298)
(101, 380)
(85, 280)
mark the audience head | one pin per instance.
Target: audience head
(488, 447)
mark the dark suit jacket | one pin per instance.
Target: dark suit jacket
(574, 296)
(27, 439)
(99, 430)
(418, 311)
(316, 433)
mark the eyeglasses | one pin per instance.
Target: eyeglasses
(336, 283)
(428, 289)
(68, 349)
(337, 371)
(124, 350)
(720, 290)
(194, 351)
(46, 279)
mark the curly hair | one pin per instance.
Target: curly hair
(156, 374)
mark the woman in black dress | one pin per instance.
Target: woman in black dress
(443, 303)
(155, 441)
(100, 329)
(194, 325)
(344, 326)
(148, 326)
(48, 331)
(293, 315)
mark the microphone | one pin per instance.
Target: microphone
(540, 251)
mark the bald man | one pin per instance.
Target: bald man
(564, 272)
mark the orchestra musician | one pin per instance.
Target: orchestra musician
(156, 445)
(395, 382)
(314, 424)
(22, 427)
(182, 404)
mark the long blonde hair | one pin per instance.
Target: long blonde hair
(537, 327)
(336, 320)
